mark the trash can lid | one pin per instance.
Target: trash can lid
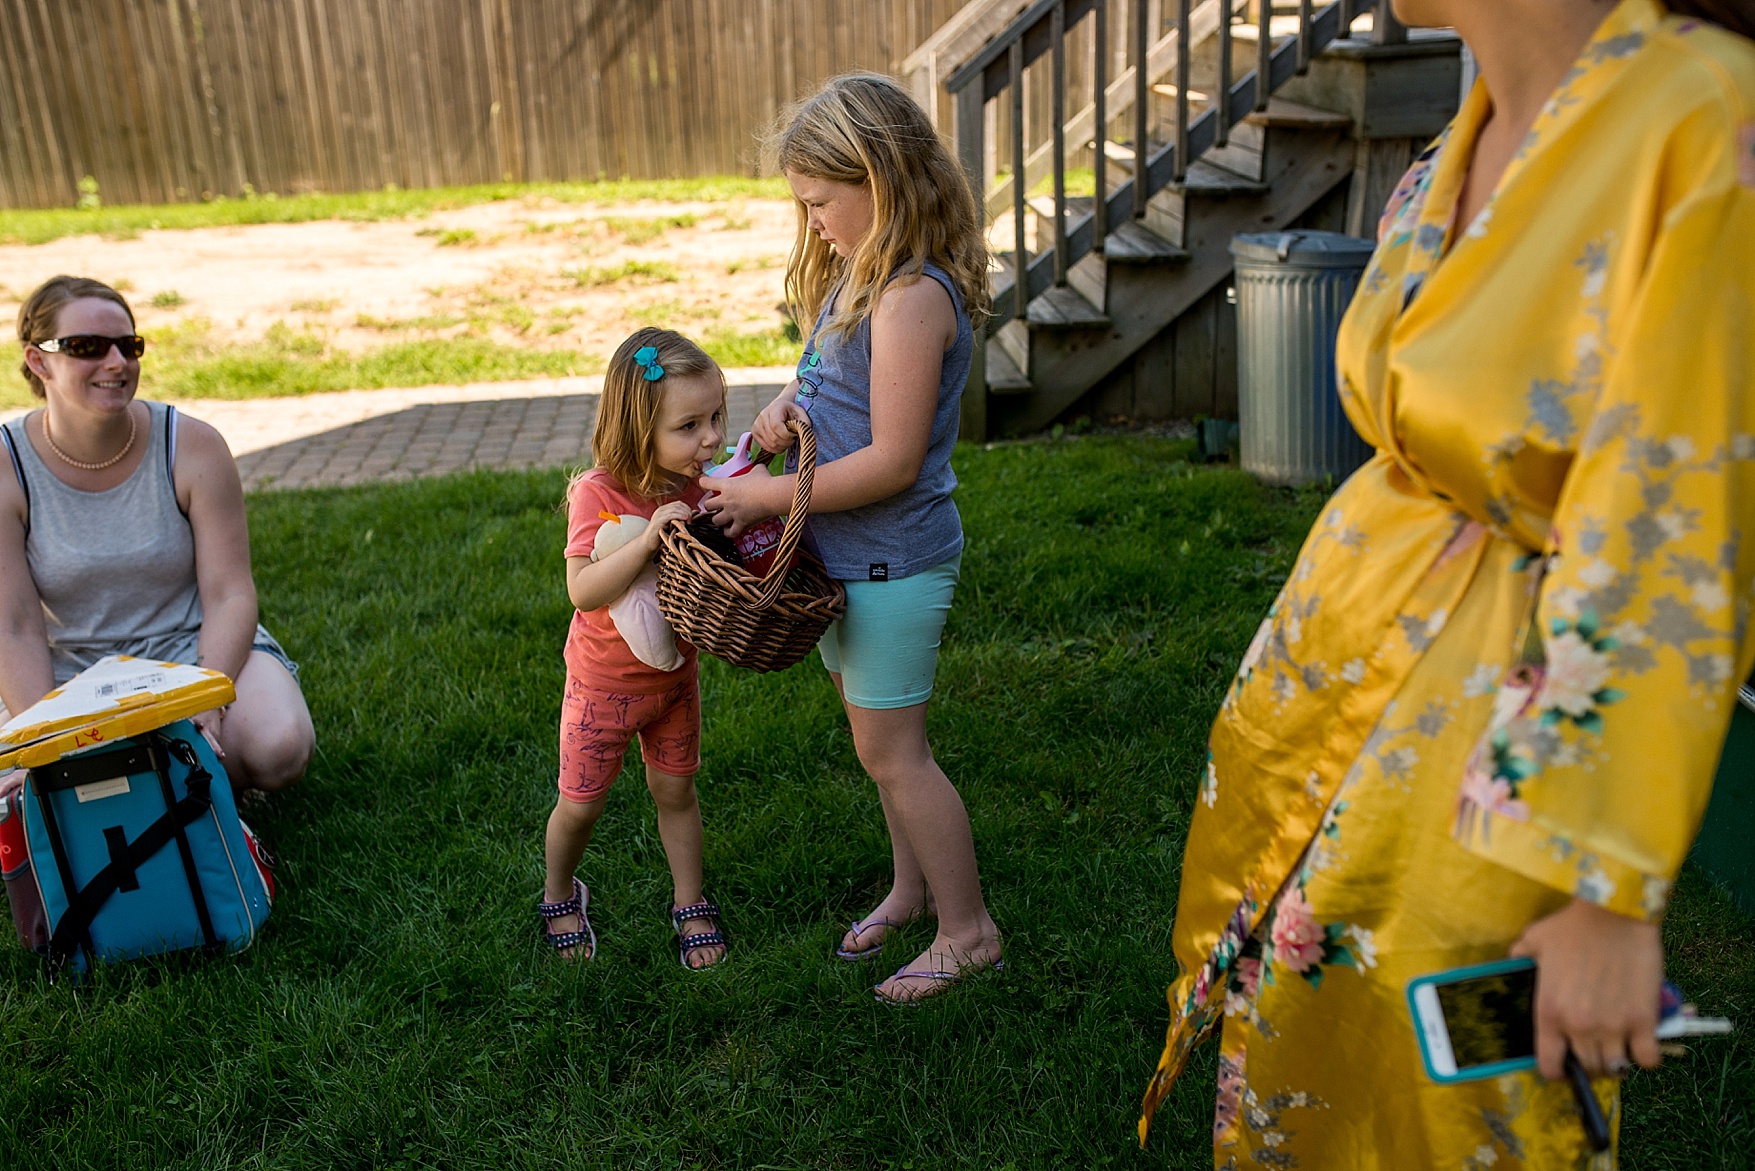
(1308, 249)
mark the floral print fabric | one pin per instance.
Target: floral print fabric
(1500, 673)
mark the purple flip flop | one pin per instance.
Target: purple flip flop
(858, 928)
(947, 981)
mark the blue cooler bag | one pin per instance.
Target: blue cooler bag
(133, 849)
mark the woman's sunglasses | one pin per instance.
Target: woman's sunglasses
(92, 345)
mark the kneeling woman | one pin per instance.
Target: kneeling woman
(122, 532)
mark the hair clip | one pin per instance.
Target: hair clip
(646, 358)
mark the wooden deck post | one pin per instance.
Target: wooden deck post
(971, 115)
(1398, 92)
(1386, 29)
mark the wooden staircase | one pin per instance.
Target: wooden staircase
(1112, 275)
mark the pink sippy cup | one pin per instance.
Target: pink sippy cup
(759, 544)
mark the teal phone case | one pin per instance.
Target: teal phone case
(1454, 975)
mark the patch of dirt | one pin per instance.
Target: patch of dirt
(557, 276)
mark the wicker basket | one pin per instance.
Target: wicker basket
(763, 623)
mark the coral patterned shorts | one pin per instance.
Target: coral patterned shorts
(597, 725)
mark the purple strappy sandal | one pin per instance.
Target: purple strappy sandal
(704, 909)
(577, 905)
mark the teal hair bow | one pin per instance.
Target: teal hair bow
(646, 358)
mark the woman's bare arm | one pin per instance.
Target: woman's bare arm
(209, 490)
(25, 673)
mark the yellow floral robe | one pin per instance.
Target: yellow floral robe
(1502, 669)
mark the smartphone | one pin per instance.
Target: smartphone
(1476, 1022)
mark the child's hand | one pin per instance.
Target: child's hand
(770, 427)
(741, 501)
(653, 535)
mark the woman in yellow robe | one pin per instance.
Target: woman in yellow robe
(1484, 713)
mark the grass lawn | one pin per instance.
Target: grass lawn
(501, 338)
(39, 226)
(400, 1011)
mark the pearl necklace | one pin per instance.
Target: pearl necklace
(83, 465)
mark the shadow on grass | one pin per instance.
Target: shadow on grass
(399, 1010)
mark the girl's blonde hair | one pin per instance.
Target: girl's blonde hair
(624, 444)
(864, 128)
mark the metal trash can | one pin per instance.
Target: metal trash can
(1292, 288)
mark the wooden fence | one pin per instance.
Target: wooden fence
(162, 100)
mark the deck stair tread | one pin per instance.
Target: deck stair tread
(1205, 178)
(1003, 375)
(1061, 307)
(1120, 154)
(1134, 243)
(1076, 205)
(1167, 89)
(1297, 115)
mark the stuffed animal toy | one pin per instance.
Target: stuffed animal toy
(635, 614)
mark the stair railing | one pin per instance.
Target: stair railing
(998, 70)
(1117, 94)
(954, 42)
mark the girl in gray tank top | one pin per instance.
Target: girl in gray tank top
(918, 527)
(891, 268)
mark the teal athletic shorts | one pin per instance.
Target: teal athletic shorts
(885, 648)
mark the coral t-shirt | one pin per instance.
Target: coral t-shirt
(596, 653)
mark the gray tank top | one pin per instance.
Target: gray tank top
(918, 527)
(115, 569)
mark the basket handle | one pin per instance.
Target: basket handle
(794, 532)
